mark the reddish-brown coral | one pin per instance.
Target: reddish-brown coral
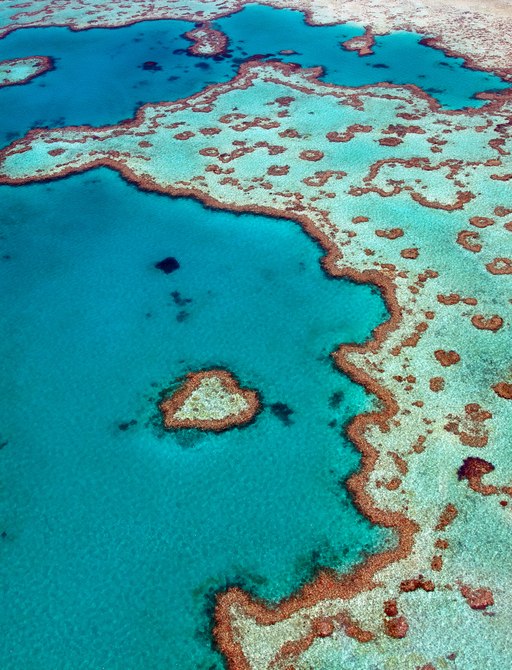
(493, 323)
(193, 381)
(448, 515)
(396, 627)
(479, 598)
(447, 358)
(503, 389)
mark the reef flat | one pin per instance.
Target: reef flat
(22, 70)
(206, 41)
(209, 400)
(416, 200)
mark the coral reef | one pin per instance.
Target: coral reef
(416, 200)
(209, 400)
(22, 70)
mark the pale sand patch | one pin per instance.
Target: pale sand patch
(495, 7)
(211, 400)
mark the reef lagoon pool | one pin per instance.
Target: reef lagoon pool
(115, 533)
(118, 533)
(99, 76)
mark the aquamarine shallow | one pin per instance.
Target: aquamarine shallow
(116, 539)
(117, 535)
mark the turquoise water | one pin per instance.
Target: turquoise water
(117, 537)
(103, 67)
(114, 535)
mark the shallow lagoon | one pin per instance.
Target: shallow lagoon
(99, 77)
(116, 536)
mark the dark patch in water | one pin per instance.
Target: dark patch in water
(188, 438)
(259, 56)
(336, 399)
(151, 66)
(127, 424)
(202, 66)
(380, 66)
(182, 316)
(168, 265)
(282, 412)
(179, 300)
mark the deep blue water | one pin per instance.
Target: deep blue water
(99, 77)
(114, 535)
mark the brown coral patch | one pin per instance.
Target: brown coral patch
(437, 563)
(278, 170)
(206, 41)
(396, 627)
(493, 323)
(447, 358)
(410, 253)
(40, 65)
(479, 598)
(320, 178)
(185, 135)
(361, 43)
(390, 608)
(448, 515)
(391, 234)
(311, 155)
(481, 221)
(193, 380)
(473, 469)
(436, 384)
(500, 266)
(503, 389)
(409, 585)
(451, 299)
(390, 141)
(470, 429)
(210, 131)
(349, 133)
(469, 241)
(502, 211)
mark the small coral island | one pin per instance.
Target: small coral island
(210, 400)
(22, 70)
(206, 41)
